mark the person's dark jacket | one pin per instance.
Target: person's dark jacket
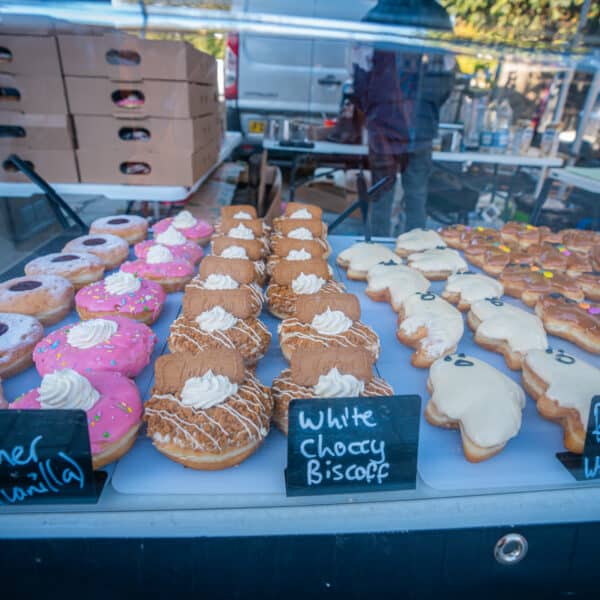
(401, 97)
(402, 93)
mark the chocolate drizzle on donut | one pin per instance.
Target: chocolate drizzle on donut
(64, 258)
(3, 328)
(25, 286)
(118, 221)
(94, 242)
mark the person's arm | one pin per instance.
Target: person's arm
(362, 63)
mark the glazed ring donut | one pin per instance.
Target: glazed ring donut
(18, 336)
(48, 298)
(80, 268)
(131, 228)
(110, 249)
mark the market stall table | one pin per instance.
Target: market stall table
(142, 193)
(586, 179)
(342, 155)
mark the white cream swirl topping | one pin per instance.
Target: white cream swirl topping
(242, 214)
(241, 232)
(331, 322)
(184, 220)
(234, 252)
(301, 254)
(206, 391)
(301, 233)
(158, 254)
(171, 237)
(307, 284)
(338, 385)
(88, 334)
(120, 283)
(217, 281)
(215, 319)
(301, 213)
(67, 389)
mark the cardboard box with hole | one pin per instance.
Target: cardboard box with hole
(55, 166)
(29, 55)
(148, 134)
(169, 167)
(39, 132)
(32, 94)
(122, 57)
(149, 98)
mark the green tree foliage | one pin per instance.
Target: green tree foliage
(519, 20)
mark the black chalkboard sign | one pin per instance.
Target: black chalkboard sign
(349, 445)
(45, 457)
(586, 466)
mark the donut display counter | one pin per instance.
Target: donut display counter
(457, 503)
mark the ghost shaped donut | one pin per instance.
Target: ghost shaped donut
(487, 410)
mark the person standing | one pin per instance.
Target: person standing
(400, 92)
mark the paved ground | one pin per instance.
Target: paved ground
(205, 204)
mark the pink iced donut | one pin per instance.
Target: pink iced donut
(121, 294)
(188, 251)
(195, 230)
(107, 344)
(173, 276)
(114, 410)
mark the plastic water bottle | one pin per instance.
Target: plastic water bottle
(503, 125)
(488, 132)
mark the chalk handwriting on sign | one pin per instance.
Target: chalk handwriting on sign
(46, 476)
(45, 457)
(340, 445)
(586, 466)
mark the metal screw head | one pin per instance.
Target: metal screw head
(511, 549)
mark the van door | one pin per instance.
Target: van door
(275, 71)
(332, 59)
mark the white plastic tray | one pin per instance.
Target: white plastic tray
(528, 462)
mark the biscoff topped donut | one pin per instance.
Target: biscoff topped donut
(241, 212)
(239, 269)
(297, 228)
(287, 271)
(252, 249)
(282, 246)
(299, 210)
(316, 304)
(237, 228)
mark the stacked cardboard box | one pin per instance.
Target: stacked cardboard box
(145, 111)
(34, 119)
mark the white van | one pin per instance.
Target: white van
(272, 75)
